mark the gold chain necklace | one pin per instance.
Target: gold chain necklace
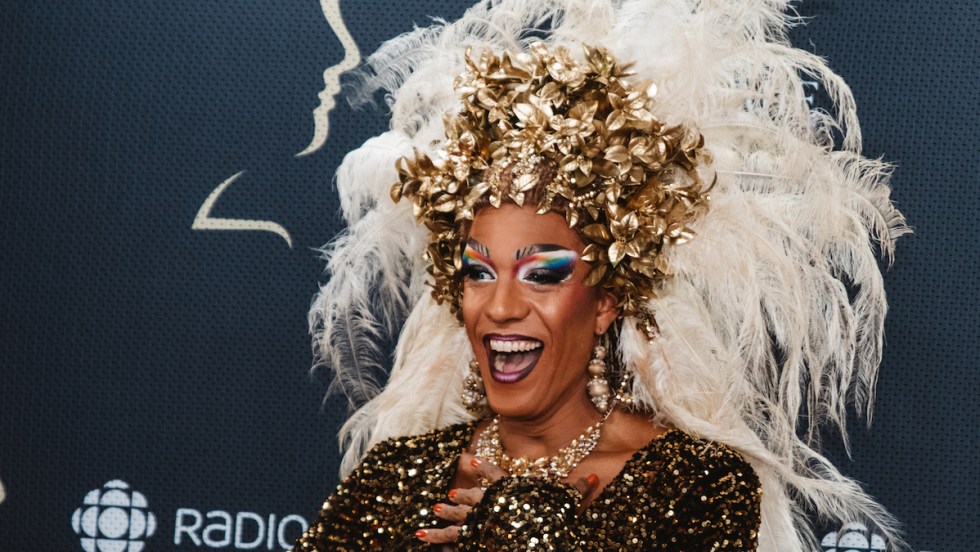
(553, 468)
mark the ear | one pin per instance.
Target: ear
(606, 312)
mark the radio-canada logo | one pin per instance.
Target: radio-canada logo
(114, 518)
(853, 537)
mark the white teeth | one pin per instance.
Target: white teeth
(506, 346)
(498, 364)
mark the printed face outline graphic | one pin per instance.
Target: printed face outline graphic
(321, 120)
(331, 75)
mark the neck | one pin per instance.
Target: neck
(543, 435)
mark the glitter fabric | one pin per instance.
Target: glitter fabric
(676, 493)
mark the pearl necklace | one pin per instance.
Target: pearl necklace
(553, 468)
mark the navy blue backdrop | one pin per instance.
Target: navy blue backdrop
(154, 385)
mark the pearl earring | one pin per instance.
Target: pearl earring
(598, 384)
(474, 394)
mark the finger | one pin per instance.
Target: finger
(438, 536)
(467, 497)
(485, 470)
(587, 485)
(450, 512)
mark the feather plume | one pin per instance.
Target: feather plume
(375, 272)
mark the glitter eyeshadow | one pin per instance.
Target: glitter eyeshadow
(471, 256)
(475, 262)
(559, 264)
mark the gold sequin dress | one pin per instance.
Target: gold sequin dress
(676, 493)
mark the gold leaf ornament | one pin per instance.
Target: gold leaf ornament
(627, 183)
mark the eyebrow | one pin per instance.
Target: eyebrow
(478, 247)
(538, 248)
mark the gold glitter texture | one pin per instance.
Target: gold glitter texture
(677, 493)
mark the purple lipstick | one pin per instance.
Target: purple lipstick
(512, 357)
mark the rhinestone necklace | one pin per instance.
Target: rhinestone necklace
(553, 468)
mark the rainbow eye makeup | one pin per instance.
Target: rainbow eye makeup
(547, 267)
(476, 262)
(540, 264)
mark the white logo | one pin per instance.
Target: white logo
(113, 519)
(853, 537)
(246, 530)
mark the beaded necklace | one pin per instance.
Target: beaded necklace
(553, 468)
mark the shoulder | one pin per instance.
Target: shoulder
(386, 497)
(446, 443)
(404, 463)
(699, 465)
(717, 497)
(685, 493)
(685, 450)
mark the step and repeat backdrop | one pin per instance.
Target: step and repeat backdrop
(166, 178)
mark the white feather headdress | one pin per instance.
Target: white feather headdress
(776, 309)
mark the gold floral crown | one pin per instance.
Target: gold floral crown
(626, 182)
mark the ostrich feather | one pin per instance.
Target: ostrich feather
(374, 269)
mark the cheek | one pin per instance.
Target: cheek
(572, 310)
(470, 307)
(571, 327)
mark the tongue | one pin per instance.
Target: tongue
(515, 362)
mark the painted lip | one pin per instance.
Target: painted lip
(509, 377)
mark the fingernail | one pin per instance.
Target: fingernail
(593, 480)
(437, 508)
(420, 534)
(452, 493)
(475, 462)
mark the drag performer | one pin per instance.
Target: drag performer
(629, 277)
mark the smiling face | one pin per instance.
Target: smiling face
(530, 319)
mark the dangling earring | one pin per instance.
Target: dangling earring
(647, 323)
(624, 395)
(473, 391)
(598, 384)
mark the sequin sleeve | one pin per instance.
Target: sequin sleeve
(389, 496)
(718, 501)
(520, 513)
(350, 519)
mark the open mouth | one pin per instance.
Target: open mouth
(512, 357)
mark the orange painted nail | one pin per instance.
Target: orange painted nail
(437, 508)
(593, 480)
(475, 462)
(420, 534)
(452, 493)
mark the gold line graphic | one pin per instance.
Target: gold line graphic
(331, 76)
(321, 120)
(204, 221)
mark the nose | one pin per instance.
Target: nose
(507, 303)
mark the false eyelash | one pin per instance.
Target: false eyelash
(550, 276)
(471, 271)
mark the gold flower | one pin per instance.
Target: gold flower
(626, 182)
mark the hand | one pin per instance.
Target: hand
(463, 500)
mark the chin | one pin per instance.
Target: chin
(516, 400)
(525, 400)
(514, 407)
